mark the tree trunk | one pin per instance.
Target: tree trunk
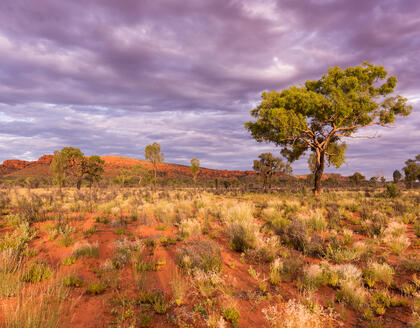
(319, 171)
(154, 182)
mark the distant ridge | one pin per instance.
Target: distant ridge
(113, 164)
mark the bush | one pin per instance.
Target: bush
(36, 272)
(201, 254)
(376, 272)
(86, 249)
(96, 288)
(391, 190)
(72, 281)
(232, 315)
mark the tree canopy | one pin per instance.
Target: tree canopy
(317, 116)
(152, 153)
(195, 169)
(69, 164)
(268, 165)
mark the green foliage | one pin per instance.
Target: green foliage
(152, 153)
(319, 114)
(73, 281)
(391, 190)
(356, 178)
(157, 299)
(396, 175)
(36, 272)
(96, 288)
(268, 165)
(412, 171)
(69, 260)
(86, 250)
(202, 254)
(70, 164)
(195, 168)
(232, 315)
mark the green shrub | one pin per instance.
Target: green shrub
(72, 281)
(391, 190)
(156, 298)
(86, 249)
(202, 254)
(36, 272)
(232, 315)
(69, 260)
(96, 288)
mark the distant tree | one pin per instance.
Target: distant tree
(152, 153)
(123, 177)
(412, 171)
(195, 169)
(268, 165)
(139, 171)
(396, 176)
(93, 169)
(70, 164)
(357, 178)
(383, 180)
(67, 164)
(319, 114)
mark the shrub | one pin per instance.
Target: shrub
(156, 298)
(295, 314)
(232, 315)
(69, 260)
(72, 281)
(391, 190)
(376, 272)
(241, 228)
(190, 228)
(96, 288)
(36, 272)
(86, 249)
(285, 270)
(202, 254)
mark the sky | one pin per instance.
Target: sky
(110, 77)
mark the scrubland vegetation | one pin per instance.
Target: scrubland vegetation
(131, 257)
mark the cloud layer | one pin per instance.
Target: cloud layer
(110, 76)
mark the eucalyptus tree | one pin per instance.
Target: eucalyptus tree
(268, 165)
(195, 169)
(153, 154)
(319, 115)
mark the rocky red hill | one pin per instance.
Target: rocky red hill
(113, 164)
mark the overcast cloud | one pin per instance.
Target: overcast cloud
(112, 76)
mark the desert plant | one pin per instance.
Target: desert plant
(40, 307)
(202, 254)
(86, 249)
(376, 272)
(36, 272)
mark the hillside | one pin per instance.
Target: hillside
(113, 164)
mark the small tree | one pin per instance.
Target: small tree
(318, 115)
(195, 169)
(93, 169)
(357, 178)
(268, 165)
(139, 171)
(67, 164)
(396, 176)
(153, 154)
(412, 171)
